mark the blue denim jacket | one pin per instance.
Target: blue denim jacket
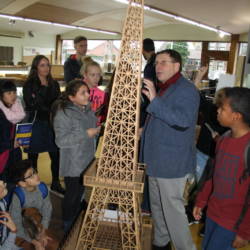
(168, 139)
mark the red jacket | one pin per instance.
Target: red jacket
(99, 100)
(225, 194)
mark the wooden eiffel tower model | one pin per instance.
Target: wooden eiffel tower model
(116, 177)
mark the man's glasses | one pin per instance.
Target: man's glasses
(31, 175)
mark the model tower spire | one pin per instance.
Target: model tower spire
(118, 177)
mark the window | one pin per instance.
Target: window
(216, 68)
(219, 46)
(105, 52)
(243, 49)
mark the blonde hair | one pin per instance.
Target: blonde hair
(84, 61)
(87, 62)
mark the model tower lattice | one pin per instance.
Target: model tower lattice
(117, 178)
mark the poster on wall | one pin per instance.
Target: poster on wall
(30, 52)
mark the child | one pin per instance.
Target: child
(25, 176)
(98, 98)
(227, 194)
(84, 61)
(11, 112)
(75, 130)
(7, 226)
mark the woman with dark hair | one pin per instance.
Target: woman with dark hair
(39, 92)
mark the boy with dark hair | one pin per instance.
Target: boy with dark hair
(227, 193)
(148, 52)
(29, 193)
(73, 64)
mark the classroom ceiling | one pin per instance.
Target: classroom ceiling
(230, 15)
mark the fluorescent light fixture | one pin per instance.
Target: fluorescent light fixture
(64, 25)
(221, 34)
(36, 21)
(160, 12)
(204, 26)
(57, 24)
(96, 30)
(122, 1)
(11, 17)
(182, 19)
(185, 20)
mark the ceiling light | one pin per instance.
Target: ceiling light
(204, 26)
(122, 1)
(96, 30)
(185, 20)
(64, 25)
(11, 17)
(57, 24)
(160, 12)
(36, 21)
(220, 32)
(182, 19)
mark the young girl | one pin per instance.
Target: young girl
(98, 98)
(75, 130)
(39, 92)
(11, 112)
(7, 226)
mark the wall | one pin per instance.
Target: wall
(247, 65)
(39, 40)
(244, 37)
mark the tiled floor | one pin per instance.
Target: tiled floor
(56, 224)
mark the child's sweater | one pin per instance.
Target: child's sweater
(32, 199)
(225, 194)
(7, 239)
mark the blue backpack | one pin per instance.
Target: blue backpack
(21, 196)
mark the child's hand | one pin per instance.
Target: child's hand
(9, 223)
(38, 245)
(92, 132)
(43, 238)
(202, 71)
(16, 144)
(239, 242)
(200, 74)
(139, 133)
(197, 213)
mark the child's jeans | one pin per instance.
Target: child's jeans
(217, 237)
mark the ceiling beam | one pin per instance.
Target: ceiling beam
(17, 6)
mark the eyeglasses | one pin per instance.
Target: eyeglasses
(163, 63)
(31, 175)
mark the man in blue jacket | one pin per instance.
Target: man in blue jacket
(168, 149)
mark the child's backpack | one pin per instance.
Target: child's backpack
(21, 196)
(246, 174)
